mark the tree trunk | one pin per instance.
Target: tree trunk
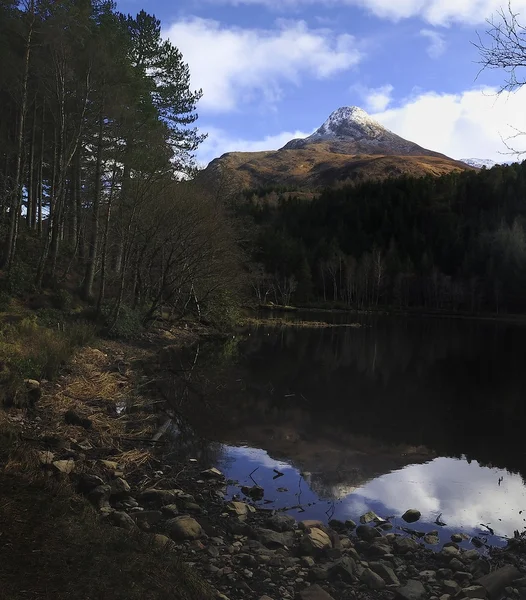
(89, 277)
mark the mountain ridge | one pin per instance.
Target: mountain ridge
(349, 146)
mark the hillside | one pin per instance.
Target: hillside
(349, 146)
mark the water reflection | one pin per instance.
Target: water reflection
(399, 413)
(468, 496)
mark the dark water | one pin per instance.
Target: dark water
(400, 413)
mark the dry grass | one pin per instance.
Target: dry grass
(317, 166)
(278, 322)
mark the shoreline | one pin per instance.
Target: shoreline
(239, 549)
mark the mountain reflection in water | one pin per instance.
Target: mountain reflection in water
(401, 413)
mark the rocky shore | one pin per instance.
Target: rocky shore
(242, 549)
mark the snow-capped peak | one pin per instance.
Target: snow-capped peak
(478, 163)
(348, 122)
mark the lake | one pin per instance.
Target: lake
(402, 412)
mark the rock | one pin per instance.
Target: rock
(337, 525)
(370, 516)
(110, 464)
(212, 473)
(163, 497)
(265, 598)
(411, 515)
(372, 580)
(241, 509)
(479, 567)
(87, 482)
(474, 591)
(308, 523)
(412, 590)
(445, 573)
(99, 496)
(163, 542)
(350, 524)
(463, 578)
(458, 538)
(315, 592)
(33, 391)
(450, 587)
(307, 561)
(318, 574)
(456, 564)
(119, 487)
(314, 540)
(403, 545)
(281, 522)
(449, 552)
(148, 517)
(496, 581)
(385, 572)
(367, 533)
(255, 492)
(477, 542)
(427, 576)
(122, 520)
(471, 555)
(432, 539)
(274, 539)
(46, 457)
(64, 466)
(72, 418)
(170, 510)
(184, 528)
(345, 568)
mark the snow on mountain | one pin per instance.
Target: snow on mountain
(478, 163)
(350, 130)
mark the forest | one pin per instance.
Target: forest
(454, 243)
(97, 135)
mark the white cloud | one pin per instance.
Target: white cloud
(235, 66)
(218, 142)
(470, 124)
(437, 43)
(375, 99)
(436, 12)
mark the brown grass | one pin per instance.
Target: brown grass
(316, 166)
(278, 322)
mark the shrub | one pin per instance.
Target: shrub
(128, 325)
(62, 300)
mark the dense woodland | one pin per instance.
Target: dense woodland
(457, 242)
(96, 146)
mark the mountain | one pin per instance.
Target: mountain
(478, 163)
(349, 146)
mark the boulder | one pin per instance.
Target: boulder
(274, 539)
(170, 510)
(163, 542)
(308, 523)
(371, 579)
(370, 516)
(255, 492)
(314, 592)
(281, 522)
(163, 497)
(99, 496)
(450, 587)
(147, 518)
(119, 487)
(122, 520)
(385, 572)
(496, 581)
(212, 473)
(314, 540)
(64, 466)
(367, 533)
(474, 591)
(412, 590)
(184, 528)
(350, 524)
(449, 552)
(33, 391)
(411, 515)
(241, 509)
(87, 482)
(432, 538)
(402, 545)
(345, 568)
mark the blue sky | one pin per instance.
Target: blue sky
(272, 70)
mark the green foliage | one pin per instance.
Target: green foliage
(20, 280)
(223, 311)
(62, 300)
